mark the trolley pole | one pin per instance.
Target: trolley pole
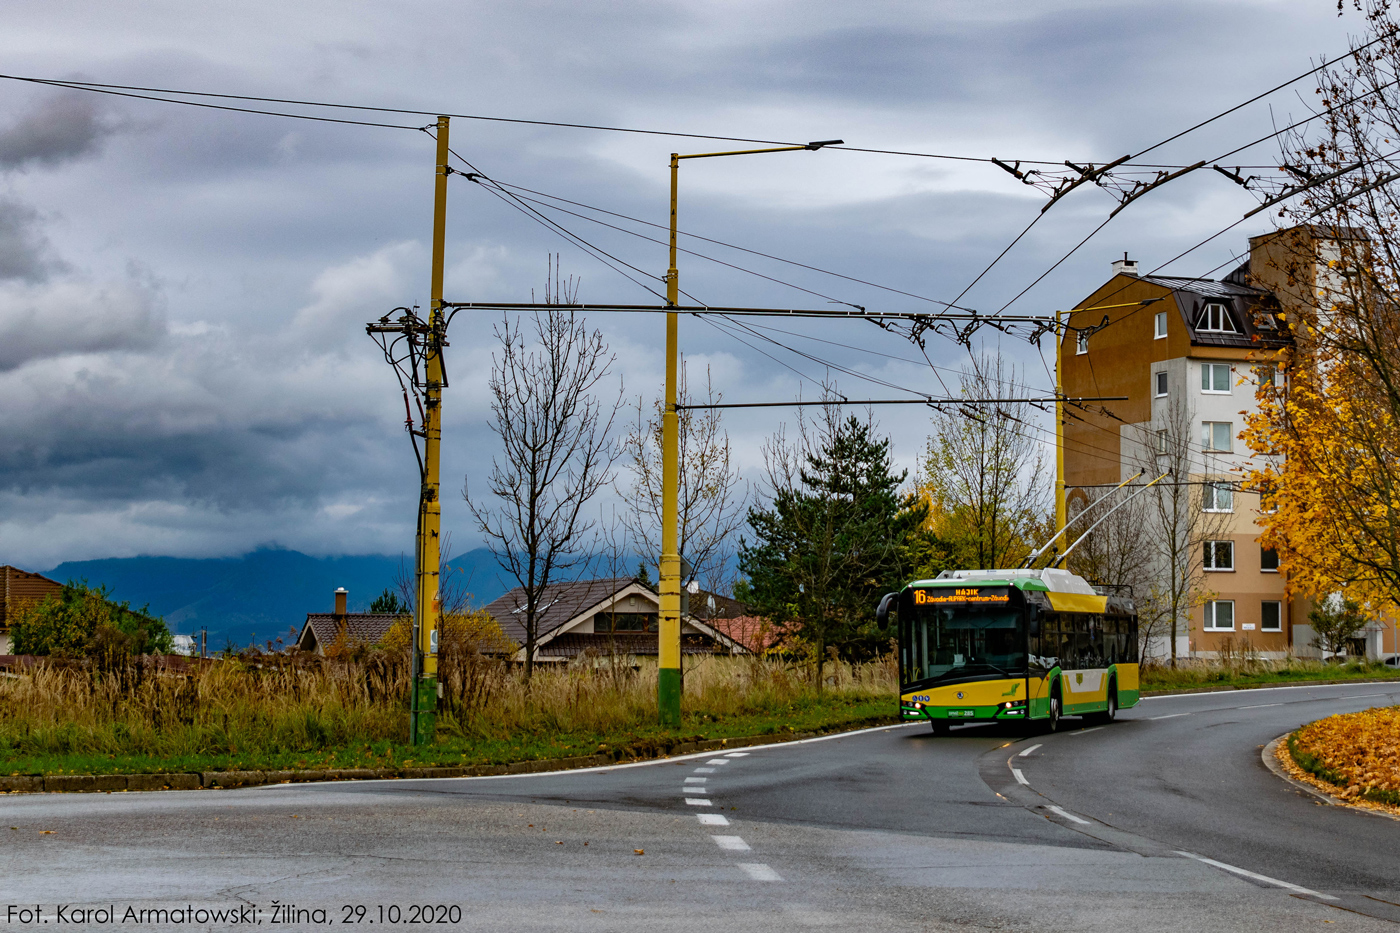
(423, 715)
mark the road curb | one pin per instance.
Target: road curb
(1270, 757)
(223, 780)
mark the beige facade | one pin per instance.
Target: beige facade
(1186, 353)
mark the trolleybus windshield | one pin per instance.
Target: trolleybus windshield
(947, 639)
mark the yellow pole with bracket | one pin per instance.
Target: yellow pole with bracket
(668, 682)
(430, 505)
(1061, 511)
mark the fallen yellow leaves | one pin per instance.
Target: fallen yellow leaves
(1357, 753)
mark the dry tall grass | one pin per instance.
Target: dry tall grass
(257, 704)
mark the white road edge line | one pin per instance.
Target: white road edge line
(1020, 778)
(1258, 877)
(1197, 693)
(731, 843)
(1362, 696)
(649, 763)
(698, 802)
(1031, 749)
(759, 872)
(1169, 716)
(1067, 815)
(1260, 706)
(712, 819)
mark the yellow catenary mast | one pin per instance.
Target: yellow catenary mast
(429, 603)
(668, 682)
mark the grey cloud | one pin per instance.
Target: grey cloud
(24, 252)
(58, 129)
(72, 317)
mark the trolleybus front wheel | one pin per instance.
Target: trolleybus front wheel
(1052, 722)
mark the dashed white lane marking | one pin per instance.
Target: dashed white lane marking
(1031, 749)
(1171, 716)
(737, 755)
(731, 843)
(1083, 731)
(760, 872)
(694, 790)
(1260, 706)
(694, 780)
(1258, 877)
(698, 802)
(1067, 815)
(712, 819)
(704, 770)
(1020, 778)
(718, 761)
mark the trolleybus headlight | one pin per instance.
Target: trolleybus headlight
(918, 706)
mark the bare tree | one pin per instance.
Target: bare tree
(712, 498)
(1180, 523)
(557, 454)
(984, 472)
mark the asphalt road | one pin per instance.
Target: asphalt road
(1166, 820)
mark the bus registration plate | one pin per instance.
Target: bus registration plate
(961, 713)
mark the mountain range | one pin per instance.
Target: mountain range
(265, 594)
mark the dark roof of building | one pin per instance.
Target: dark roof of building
(559, 603)
(1249, 308)
(368, 627)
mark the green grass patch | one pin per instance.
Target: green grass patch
(829, 712)
(1195, 675)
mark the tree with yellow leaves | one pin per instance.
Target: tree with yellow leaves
(1331, 498)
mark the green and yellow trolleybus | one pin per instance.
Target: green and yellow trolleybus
(1013, 645)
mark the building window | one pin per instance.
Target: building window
(1217, 436)
(1271, 616)
(1220, 615)
(1215, 317)
(1268, 560)
(605, 622)
(1162, 441)
(1161, 383)
(1159, 325)
(1220, 555)
(1217, 497)
(1215, 378)
(1264, 375)
(1081, 342)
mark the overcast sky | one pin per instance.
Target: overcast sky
(183, 367)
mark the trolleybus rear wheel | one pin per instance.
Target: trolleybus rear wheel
(1110, 714)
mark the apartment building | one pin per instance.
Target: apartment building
(1186, 353)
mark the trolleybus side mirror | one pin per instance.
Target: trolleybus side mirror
(882, 614)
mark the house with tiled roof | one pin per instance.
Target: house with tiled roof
(19, 588)
(322, 629)
(604, 617)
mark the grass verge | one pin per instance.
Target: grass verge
(272, 714)
(1189, 676)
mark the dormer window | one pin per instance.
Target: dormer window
(1215, 317)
